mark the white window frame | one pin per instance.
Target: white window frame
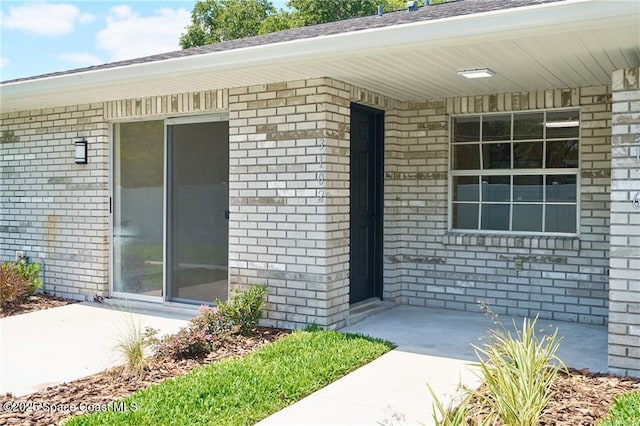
(513, 172)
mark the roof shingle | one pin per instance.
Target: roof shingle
(428, 13)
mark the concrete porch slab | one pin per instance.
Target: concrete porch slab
(433, 348)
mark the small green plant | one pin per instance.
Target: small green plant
(211, 322)
(188, 342)
(13, 286)
(518, 371)
(244, 310)
(625, 411)
(132, 345)
(31, 272)
(451, 414)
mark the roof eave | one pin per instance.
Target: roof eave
(435, 32)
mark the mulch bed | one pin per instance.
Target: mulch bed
(115, 383)
(580, 398)
(34, 303)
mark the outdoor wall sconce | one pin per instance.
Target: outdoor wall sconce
(81, 151)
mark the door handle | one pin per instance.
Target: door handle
(226, 214)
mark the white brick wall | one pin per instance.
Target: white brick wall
(561, 278)
(624, 294)
(54, 210)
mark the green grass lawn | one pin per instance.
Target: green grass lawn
(245, 390)
(624, 412)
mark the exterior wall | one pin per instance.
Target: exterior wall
(54, 210)
(57, 211)
(288, 200)
(289, 196)
(624, 295)
(560, 278)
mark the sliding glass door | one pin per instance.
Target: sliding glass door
(198, 204)
(170, 205)
(137, 206)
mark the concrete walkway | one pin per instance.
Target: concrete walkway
(433, 348)
(69, 342)
(56, 345)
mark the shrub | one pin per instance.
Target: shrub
(210, 321)
(518, 372)
(244, 310)
(13, 286)
(31, 272)
(238, 315)
(625, 411)
(188, 342)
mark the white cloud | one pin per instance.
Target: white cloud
(129, 35)
(80, 58)
(4, 62)
(44, 18)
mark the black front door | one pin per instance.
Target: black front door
(366, 203)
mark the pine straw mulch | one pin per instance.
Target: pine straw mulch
(115, 383)
(34, 303)
(580, 398)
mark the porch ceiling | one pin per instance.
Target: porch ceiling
(565, 44)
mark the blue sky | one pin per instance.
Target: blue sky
(39, 37)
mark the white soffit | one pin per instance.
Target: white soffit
(555, 45)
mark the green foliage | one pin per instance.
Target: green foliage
(238, 315)
(213, 21)
(30, 271)
(625, 411)
(449, 415)
(13, 286)
(244, 390)
(311, 12)
(188, 342)
(244, 310)
(518, 372)
(131, 345)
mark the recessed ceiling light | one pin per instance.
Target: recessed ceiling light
(477, 73)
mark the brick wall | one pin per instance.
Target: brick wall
(560, 278)
(54, 210)
(624, 294)
(289, 199)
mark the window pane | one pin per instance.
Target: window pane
(560, 218)
(495, 188)
(496, 156)
(528, 126)
(495, 217)
(527, 188)
(527, 217)
(466, 129)
(466, 157)
(562, 154)
(561, 188)
(465, 216)
(466, 188)
(562, 124)
(496, 127)
(527, 155)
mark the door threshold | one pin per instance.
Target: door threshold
(164, 309)
(366, 308)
